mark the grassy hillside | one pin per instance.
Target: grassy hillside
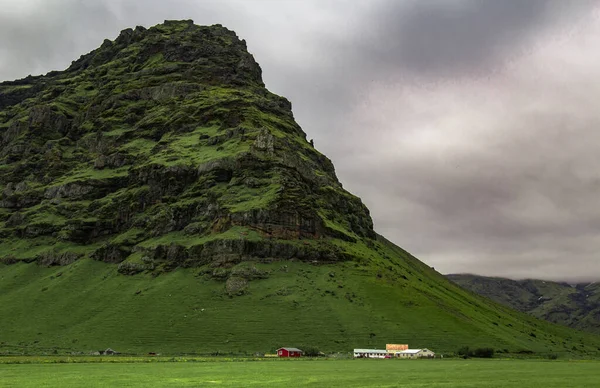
(386, 296)
(577, 306)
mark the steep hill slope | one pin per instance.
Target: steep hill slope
(577, 306)
(156, 197)
(385, 296)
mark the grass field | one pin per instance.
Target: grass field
(325, 373)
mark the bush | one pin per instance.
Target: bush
(465, 352)
(310, 351)
(552, 356)
(483, 352)
(525, 351)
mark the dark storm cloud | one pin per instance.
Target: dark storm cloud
(467, 126)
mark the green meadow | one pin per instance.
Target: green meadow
(298, 373)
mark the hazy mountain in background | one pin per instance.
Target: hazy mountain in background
(573, 305)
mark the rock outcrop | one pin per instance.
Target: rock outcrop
(165, 143)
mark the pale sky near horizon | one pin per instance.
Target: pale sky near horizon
(468, 127)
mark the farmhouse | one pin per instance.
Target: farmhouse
(289, 352)
(370, 353)
(415, 353)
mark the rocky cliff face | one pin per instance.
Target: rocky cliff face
(160, 149)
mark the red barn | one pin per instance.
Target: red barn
(289, 352)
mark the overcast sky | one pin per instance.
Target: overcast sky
(470, 128)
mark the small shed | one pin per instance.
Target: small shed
(416, 353)
(289, 352)
(370, 353)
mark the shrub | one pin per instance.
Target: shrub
(552, 356)
(525, 351)
(483, 352)
(465, 352)
(8, 260)
(310, 351)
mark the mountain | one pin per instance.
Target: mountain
(164, 145)
(577, 306)
(156, 197)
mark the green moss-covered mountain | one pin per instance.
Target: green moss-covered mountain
(156, 197)
(574, 305)
(164, 145)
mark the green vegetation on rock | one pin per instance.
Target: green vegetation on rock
(169, 131)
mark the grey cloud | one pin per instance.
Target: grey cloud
(49, 35)
(520, 200)
(40, 39)
(461, 37)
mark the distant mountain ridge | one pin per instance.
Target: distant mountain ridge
(573, 305)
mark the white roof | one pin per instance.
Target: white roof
(411, 351)
(369, 351)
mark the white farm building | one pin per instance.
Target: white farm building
(415, 353)
(370, 353)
